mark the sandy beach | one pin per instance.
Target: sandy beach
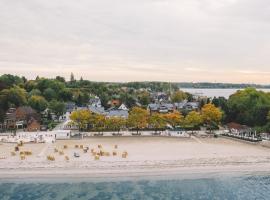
(146, 156)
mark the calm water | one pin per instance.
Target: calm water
(244, 187)
(215, 92)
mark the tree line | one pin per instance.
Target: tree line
(140, 119)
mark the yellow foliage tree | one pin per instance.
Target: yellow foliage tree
(157, 121)
(211, 114)
(115, 123)
(193, 119)
(138, 118)
(98, 121)
(174, 119)
(81, 118)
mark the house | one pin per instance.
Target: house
(160, 97)
(117, 113)
(95, 102)
(33, 125)
(185, 105)
(123, 107)
(121, 111)
(10, 119)
(191, 106)
(240, 130)
(97, 110)
(161, 107)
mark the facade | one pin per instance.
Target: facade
(161, 107)
(240, 130)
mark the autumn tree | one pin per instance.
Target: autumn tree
(138, 118)
(211, 115)
(81, 118)
(115, 123)
(157, 121)
(98, 121)
(174, 119)
(193, 119)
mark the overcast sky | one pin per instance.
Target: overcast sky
(137, 40)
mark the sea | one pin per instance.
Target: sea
(214, 187)
(215, 92)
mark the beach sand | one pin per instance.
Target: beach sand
(146, 156)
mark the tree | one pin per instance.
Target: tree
(72, 79)
(49, 94)
(65, 95)
(35, 92)
(138, 118)
(98, 122)
(10, 80)
(174, 119)
(61, 79)
(115, 123)
(211, 115)
(144, 98)
(249, 107)
(14, 96)
(57, 107)
(81, 118)
(38, 103)
(157, 121)
(193, 119)
(178, 96)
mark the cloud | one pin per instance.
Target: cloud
(187, 40)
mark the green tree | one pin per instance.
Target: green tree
(49, 94)
(38, 103)
(57, 107)
(178, 96)
(14, 96)
(249, 107)
(35, 92)
(72, 78)
(144, 98)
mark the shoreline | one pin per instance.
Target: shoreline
(107, 175)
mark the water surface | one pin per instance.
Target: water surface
(215, 92)
(242, 187)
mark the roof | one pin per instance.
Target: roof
(97, 110)
(237, 126)
(118, 113)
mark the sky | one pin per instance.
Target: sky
(137, 40)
